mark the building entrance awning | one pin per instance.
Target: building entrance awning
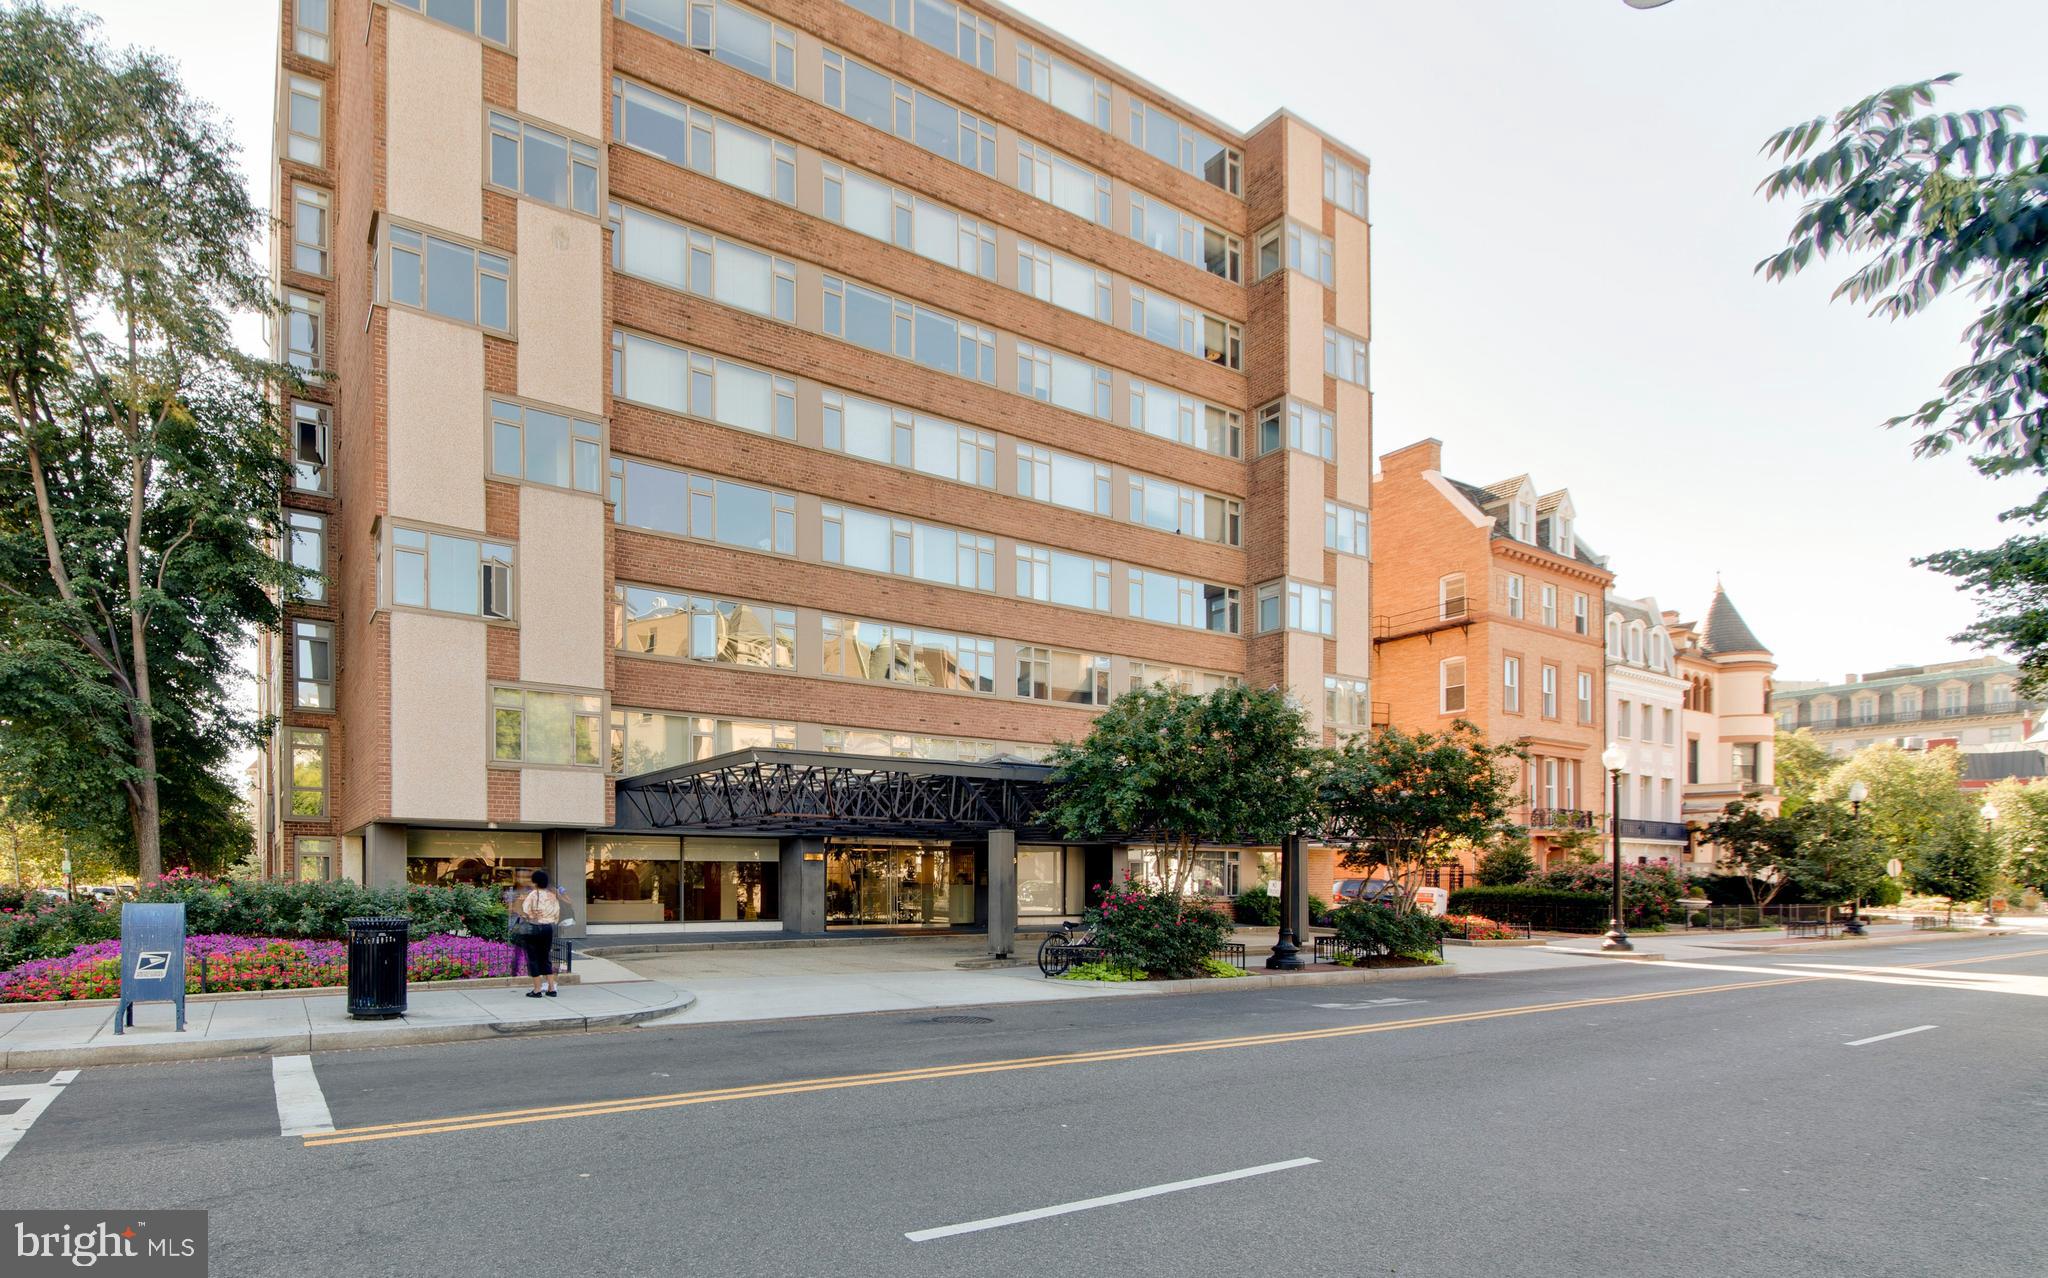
(802, 792)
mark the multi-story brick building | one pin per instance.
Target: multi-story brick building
(844, 377)
(1493, 616)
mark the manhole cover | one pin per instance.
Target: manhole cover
(959, 1020)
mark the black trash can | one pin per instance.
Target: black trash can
(376, 967)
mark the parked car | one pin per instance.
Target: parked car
(1349, 890)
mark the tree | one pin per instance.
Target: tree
(1757, 843)
(1234, 766)
(2020, 834)
(1914, 797)
(1936, 203)
(1801, 764)
(1508, 861)
(140, 454)
(1406, 801)
(1958, 867)
(1830, 854)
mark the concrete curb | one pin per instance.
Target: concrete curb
(1496, 944)
(395, 1034)
(1907, 938)
(1271, 980)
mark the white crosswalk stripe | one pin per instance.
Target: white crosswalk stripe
(35, 1098)
(301, 1105)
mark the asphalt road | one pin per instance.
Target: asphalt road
(1599, 1119)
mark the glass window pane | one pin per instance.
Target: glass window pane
(656, 373)
(745, 159)
(547, 447)
(744, 277)
(870, 97)
(452, 573)
(938, 342)
(451, 280)
(651, 247)
(746, 398)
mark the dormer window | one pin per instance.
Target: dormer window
(1561, 533)
(1635, 644)
(1522, 521)
(1614, 637)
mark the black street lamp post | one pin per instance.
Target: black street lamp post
(1857, 793)
(1614, 759)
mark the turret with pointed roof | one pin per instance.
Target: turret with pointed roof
(1725, 632)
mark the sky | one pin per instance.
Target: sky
(1564, 229)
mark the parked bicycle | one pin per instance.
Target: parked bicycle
(1073, 943)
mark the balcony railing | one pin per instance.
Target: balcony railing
(1560, 819)
(1927, 714)
(1667, 831)
(1456, 611)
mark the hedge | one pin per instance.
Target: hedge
(320, 911)
(1538, 906)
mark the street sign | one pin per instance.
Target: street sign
(1895, 867)
(1272, 887)
(152, 959)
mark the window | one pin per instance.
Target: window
(1062, 380)
(1290, 244)
(1863, 710)
(1063, 480)
(548, 166)
(1060, 182)
(1167, 506)
(1451, 686)
(306, 549)
(683, 504)
(941, 24)
(2000, 696)
(1670, 726)
(685, 382)
(1561, 533)
(1522, 521)
(1823, 712)
(1511, 684)
(312, 665)
(1346, 702)
(486, 18)
(1181, 601)
(1548, 598)
(1624, 719)
(896, 216)
(1200, 682)
(451, 574)
(309, 28)
(1186, 149)
(1062, 577)
(310, 219)
(1635, 643)
(442, 277)
(909, 331)
(648, 740)
(898, 437)
(544, 447)
(1515, 608)
(2003, 733)
(315, 858)
(1580, 617)
(693, 138)
(735, 36)
(530, 726)
(1160, 225)
(1310, 608)
(1450, 596)
(1344, 185)
(1049, 674)
(1066, 282)
(908, 548)
(1289, 423)
(1175, 323)
(1614, 638)
(888, 653)
(1054, 79)
(310, 448)
(304, 126)
(1788, 719)
(1745, 755)
(1907, 700)
(669, 623)
(904, 745)
(908, 112)
(1955, 700)
(309, 774)
(1550, 692)
(305, 344)
(1344, 357)
(1167, 414)
(1692, 760)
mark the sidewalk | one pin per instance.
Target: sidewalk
(57, 1036)
(1692, 946)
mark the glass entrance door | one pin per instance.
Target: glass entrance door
(899, 885)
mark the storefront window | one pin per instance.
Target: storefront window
(479, 858)
(731, 880)
(1041, 879)
(1214, 872)
(634, 880)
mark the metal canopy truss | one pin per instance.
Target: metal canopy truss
(794, 792)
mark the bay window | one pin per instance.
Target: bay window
(545, 165)
(448, 573)
(545, 447)
(455, 281)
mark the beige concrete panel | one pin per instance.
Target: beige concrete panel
(561, 63)
(1354, 275)
(1354, 443)
(1304, 516)
(439, 732)
(1304, 340)
(1304, 174)
(561, 796)
(434, 125)
(1354, 615)
(561, 587)
(435, 443)
(1304, 675)
(562, 334)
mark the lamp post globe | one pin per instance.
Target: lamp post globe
(1614, 759)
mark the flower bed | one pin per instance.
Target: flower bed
(1475, 927)
(239, 963)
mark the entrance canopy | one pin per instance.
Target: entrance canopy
(803, 792)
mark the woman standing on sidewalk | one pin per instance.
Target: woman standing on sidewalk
(540, 909)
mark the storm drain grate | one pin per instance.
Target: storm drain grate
(958, 1020)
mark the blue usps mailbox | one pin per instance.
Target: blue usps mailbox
(152, 959)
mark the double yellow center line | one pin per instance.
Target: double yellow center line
(676, 1100)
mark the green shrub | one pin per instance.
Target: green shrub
(1256, 908)
(1101, 972)
(1374, 930)
(39, 927)
(1542, 907)
(1150, 928)
(1649, 893)
(1886, 894)
(1218, 968)
(320, 911)
(1507, 864)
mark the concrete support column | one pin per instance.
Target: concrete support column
(1002, 893)
(803, 885)
(565, 854)
(383, 854)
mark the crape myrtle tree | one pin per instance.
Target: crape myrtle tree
(1928, 204)
(1407, 801)
(1233, 766)
(140, 453)
(1960, 865)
